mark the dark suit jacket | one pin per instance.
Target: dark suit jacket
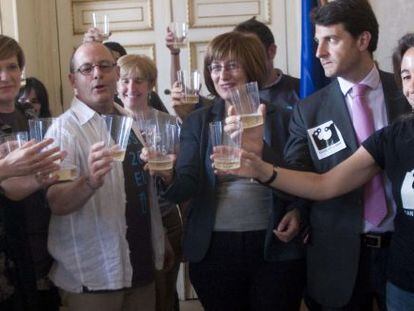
(195, 179)
(333, 254)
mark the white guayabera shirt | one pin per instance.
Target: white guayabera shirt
(89, 245)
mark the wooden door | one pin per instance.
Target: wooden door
(140, 25)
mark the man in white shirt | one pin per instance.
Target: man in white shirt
(97, 266)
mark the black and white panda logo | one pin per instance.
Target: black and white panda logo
(325, 136)
(326, 139)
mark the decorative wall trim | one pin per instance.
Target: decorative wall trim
(145, 49)
(196, 60)
(123, 15)
(196, 55)
(216, 13)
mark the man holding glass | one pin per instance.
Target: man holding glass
(105, 229)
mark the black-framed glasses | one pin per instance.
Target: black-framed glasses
(104, 66)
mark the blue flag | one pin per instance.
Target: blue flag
(312, 76)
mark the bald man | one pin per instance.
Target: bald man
(105, 229)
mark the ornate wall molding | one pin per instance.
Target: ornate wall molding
(196, 60)
(123, 15)
(196, 55)
(216, 13)
(145, 49)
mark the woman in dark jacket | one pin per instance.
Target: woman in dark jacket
(236, 262)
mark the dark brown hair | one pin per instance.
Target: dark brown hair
(244, 48)
(9, 48)
(405, 43)
(356, 16)
(263, 32)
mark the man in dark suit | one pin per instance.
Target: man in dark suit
(347, 254)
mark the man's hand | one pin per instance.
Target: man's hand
(289, 226)
(94, 35)
(100, 163)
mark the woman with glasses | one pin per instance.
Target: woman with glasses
(236, 260)
(33, 99)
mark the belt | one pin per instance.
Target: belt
(376, 240)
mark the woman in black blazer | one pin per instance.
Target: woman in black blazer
(236, 261)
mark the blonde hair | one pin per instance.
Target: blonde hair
(138, 65)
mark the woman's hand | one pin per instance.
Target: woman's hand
(182, 110)
(30, 159)
(251, 166)
(166, 175)
(46, 179)
(252, 138)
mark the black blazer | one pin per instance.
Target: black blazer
(336, 224)
(195, 179)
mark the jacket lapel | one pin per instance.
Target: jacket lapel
(269, 124)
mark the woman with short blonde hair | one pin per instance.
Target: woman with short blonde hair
(138, 65)
(138, 76)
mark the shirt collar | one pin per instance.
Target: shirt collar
(84, 113)
(372, 79)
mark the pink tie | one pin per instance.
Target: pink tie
(375, 204)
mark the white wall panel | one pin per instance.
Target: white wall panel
(213, 13)
(122, 15)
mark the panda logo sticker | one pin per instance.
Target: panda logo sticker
(407, 194)
(326, 139)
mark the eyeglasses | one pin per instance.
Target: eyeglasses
(104, 66)
(216, 68)
(23, 100)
